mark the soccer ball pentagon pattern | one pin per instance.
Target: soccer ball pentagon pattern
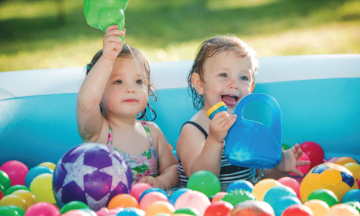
(329, 176)
(92, 173)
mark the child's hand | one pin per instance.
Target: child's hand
(289, 161)
(112, 43)
(152, 182)
(220, 125)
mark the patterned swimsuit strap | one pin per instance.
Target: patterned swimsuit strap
(109, 142)
(110, 136)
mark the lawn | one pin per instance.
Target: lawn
(32, 37)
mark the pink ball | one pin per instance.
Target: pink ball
(43, 209)
(151, 197)
(298, 210)
(314, 151)
(16, 172)
(193, 199)
(303, 169)
(138, 188)
(106, 212)
(76, 212)
(292, 183)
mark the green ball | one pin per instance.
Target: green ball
(236, 196)
(11, 211)
(205, 182)
(15, 188)
(73, 205)
(285, 146)
(325, 195)
(187, 211)
(5, 180)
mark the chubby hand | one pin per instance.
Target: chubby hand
(289, 161)
(112, 43)
(152, 182)
(220, 125)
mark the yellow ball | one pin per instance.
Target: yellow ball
(354, 168)
(344, 160)
(27, 196)
(41, 187)
(262, 187)
(13, 200)
(318, 207)
(159, 207)
(48, 164)
(342, 209)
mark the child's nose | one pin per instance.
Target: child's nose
(233, 84)
(130, 89)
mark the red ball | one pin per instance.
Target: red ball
(218, 208)
(314, 151)
(298, 210)
(16, 172)
(292, 183)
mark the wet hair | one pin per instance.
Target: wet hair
(131, 52)
(210, 48)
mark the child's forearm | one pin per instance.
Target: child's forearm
(169, 177)
(209, 158)
(273, 173)
(92, 88)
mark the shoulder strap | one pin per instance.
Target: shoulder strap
(198, 127)
(147, 130)
(109, 142)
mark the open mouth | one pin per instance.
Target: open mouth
(230, 100)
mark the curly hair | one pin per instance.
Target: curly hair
(211, 47)
(131, 52)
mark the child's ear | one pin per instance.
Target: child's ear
(197, 83)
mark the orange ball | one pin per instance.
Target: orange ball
(342, 209)
(344, 160)
(159, 207)
(218, 196)
(123, 201)
(150, 198)
(262, 187)
(318, 207)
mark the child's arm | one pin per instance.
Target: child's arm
(289, 163)
(168, 173)
(194, 154)
(89, 117)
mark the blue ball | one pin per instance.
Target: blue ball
(284, 202)
(130, 211)
(351, 196)
(176, 195)
(277, 192)
(240, 185)
(154, 189)
(34, 172)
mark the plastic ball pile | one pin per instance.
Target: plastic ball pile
(330, 188)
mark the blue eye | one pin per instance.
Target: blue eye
(118, 82)
(223, 75)
(245, 78)
(139, 81)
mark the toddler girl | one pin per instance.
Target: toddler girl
(223, 70)
(113, 96)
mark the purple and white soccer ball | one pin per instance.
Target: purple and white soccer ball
(92, 173)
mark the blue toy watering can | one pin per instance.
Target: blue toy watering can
(250, 143)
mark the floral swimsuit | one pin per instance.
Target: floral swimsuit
(145, 164)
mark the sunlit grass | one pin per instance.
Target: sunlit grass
(169, 30)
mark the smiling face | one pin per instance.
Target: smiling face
(126, 93)
(227, 77)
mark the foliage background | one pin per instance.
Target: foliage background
(37, 34)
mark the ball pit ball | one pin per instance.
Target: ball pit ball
(11, 211)
(262, 187)
(235, 197)
(218, 208)
(15, 188)
(1, 195)
(123, 201)
(314, 151)
(352, 196)
(285, 146)
(137, 190)
(16, 171)
(298, 210)
(325, 195)
(91, 173)
(159, 207)
(73, 205)
(303, 169)
(354, 168)
(76, 212)
(277, 192)
(253, 208)
(14, 200)
(318, 207)
(106, 212)
(356, 205)
(150, 198)
(5, 180)
(186, 211)
(48, 164)
(153, 189)
(193, 199)
(331, 160)
(34, 172)
(131, 212)
(342, 209)
(218, 196)
(205, 182)
(41, 187)
(43, 209)
(292, 183)
(240, 184)
(344, 160)
(283, 203)
(328, 176)
(29, 197)
(174, 196)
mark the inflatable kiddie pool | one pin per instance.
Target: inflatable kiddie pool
(318, 97)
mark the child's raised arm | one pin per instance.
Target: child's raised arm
(89, 117)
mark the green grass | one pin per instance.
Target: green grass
(167, 30)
